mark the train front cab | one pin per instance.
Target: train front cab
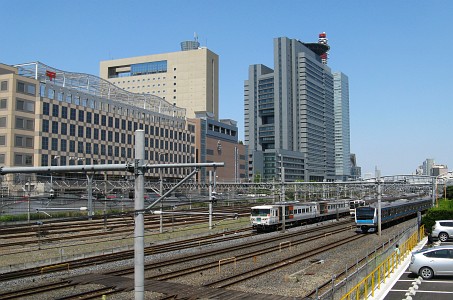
(365, 218)
(259, 217)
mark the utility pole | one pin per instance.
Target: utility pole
(282, 174)
(28, 198)
(105, 192)
(161, 192)
(90, 196)
(379, 192)
(211, 198)
(139, 204)
(282, 196)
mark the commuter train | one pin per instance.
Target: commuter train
(366, 217)
(269, 217)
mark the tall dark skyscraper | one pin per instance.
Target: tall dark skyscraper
(289, 114)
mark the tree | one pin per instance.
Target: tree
(449, 192)
(257, 178)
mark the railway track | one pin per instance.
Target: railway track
(246, 275)
(178, 261)
(129, 254)
(72, 232)
(247, 256)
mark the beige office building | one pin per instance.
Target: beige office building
(53, 117)
(187, 79)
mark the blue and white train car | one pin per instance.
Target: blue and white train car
(269, 217)
(366, 217)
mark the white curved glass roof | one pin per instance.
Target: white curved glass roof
(99, 87)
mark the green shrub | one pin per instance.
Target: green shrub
(443, 212)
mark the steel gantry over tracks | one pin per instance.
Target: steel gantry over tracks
(138, 168)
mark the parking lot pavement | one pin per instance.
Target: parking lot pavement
(406, 285)
(438, 288)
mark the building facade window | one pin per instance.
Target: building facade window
(4, 86)
(21, 141)
(81, 116)
(72, 115)
(26, 88)
(72, 129)
(22, 159)
(80, 131)
(55, 110)
(45, 126)
(3, 103)
(45, 109)
(64, 112)
(55, 127)
(25, 105)
(25, 124)
(63, 145)
(64, 128)
(54, 145)
(44, 160)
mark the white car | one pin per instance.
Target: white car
(433, 261)
(443, 230)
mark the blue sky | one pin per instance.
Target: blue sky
(398, 56)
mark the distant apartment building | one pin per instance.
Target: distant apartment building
(217, 141)
(53, 117)
(187, 78)
(342, 127)
(438, 170)
(289, 114)
(427, 166)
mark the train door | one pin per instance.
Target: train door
(280, 213)
(323, 208)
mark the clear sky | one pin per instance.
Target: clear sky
(398, 56)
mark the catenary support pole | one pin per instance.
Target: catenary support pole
(90, 195)
(210, 199)
(379, 192)
(161, 192)
(139, 232)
